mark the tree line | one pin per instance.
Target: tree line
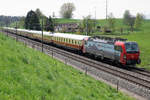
(132, 23)
(7, 20)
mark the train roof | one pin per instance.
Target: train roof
(105, 39)
(63, 35)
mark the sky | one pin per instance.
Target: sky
(96, 8)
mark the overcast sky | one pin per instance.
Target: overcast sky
(83, 7)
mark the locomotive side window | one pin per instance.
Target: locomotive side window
(85, 42)
(118, 48)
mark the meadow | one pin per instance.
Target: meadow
(27, 74)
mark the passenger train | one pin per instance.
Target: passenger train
(116, 49)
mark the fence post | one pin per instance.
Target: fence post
(117, 85)
(33, 45)
(86, 71)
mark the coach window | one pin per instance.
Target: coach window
(67, 40)
(78, 42)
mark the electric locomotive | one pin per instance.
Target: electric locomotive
(117, 49)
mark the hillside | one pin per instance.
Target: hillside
(26, 74)
(62, 20)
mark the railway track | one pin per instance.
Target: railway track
(141, 71)
(135, 75)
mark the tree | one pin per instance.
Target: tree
(138, 21)
(87, 25)
(39, 13)
(128, 19)
(67, 10)
(111, 22)
(49, 26)
(32, 21)
(21, 22)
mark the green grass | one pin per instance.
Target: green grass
(63, 20)
(27, 74)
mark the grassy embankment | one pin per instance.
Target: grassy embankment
(26, 74)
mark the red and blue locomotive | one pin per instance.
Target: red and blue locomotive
(116, 49)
